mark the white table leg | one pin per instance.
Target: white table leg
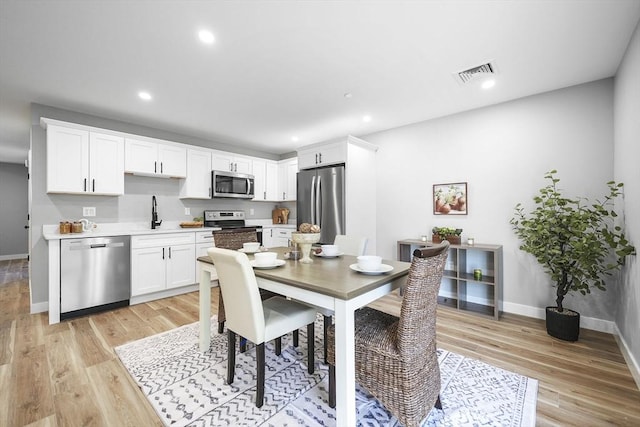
(345, 365)
(205, 308)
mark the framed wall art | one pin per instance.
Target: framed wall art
(450, 199)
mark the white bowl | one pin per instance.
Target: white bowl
(263, 259)
(330, 250)
(369, 262)
(251, 246)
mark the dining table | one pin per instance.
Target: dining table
(333, 283)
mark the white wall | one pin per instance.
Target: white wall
(502, 152)
(627, 155)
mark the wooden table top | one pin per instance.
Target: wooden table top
(327, 276)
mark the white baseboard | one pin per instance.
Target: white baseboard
(591, 323)
(39, 307)
(14, 256)
(632, 363)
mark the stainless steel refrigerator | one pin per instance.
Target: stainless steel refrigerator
(321, 200)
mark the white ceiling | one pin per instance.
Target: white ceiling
(281, 68)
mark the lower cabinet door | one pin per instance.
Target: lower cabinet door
(181, 270)
(148, 272)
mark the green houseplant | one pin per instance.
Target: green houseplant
(577, 244)
(446, 233)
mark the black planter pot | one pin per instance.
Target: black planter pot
(565, 325)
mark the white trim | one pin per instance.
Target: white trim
(632, 363)
(592, 323)
(14, 256)
(39, 307)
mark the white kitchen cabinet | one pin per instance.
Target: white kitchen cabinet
(162, 261)
(223, 161)
(276, 236)
(197, 184)
(319, 155)
(155, 158)
(287, 171)
(80, 161)
(204, 240)
(266, 179)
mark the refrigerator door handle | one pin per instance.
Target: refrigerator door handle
(319, 203)
(312, 207)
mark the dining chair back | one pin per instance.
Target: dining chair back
(351, 245)
(256, 320)
(396, 358)
(229, 239)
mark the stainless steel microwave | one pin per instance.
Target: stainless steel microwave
(232, 184)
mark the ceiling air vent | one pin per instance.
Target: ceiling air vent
(480, 71)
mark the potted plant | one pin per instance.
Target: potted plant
(446, 233)
(577, 244)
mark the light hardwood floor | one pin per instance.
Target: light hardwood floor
(68, 374)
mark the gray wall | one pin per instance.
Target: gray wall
(133, 206)
(627, 153)
(13, 210)
(502, 152)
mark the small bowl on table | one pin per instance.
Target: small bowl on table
(265, 259)
(251, 247)
(369, 262)
(330, 250)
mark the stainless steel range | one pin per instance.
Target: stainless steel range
(233, 221)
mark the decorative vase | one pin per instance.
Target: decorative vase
(565, 325)
(304, 241)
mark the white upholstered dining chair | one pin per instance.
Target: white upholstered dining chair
(256, 320)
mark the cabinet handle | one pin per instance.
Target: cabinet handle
(161, 167)
(169, 252)
(316, 158)
(162, 253)
(93, 185)
(85, 184)
(155, 167)
(320, 157)
(265, 195)
(283, 195)
(236, 167)
(209, 192)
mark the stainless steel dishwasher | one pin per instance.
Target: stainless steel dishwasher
(95, 274)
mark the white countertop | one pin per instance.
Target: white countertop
(51, 232)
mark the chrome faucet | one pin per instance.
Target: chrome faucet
(154, 214)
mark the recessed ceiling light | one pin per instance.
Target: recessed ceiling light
(488, 84)
(294, 138)
(144, 95)
(348, 95)
(366, 119)
(206, 36)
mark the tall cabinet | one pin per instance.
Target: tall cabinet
(461, 288)
(359, 158)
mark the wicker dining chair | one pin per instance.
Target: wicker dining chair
(396, 359)
(229, 239)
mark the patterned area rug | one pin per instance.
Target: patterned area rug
(187, 387)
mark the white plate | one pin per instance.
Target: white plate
(384, 268)
(329, 256)
(246, 251)
(277, 263)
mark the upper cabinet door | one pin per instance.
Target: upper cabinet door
(272, 180)
(172, 160)
(155, 159)
(141, 157)
(106, 164)
(67, 160)
(287, 175)
(197, 185)
(223, 161)
(322, 155)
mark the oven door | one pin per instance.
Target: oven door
(232, 184)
